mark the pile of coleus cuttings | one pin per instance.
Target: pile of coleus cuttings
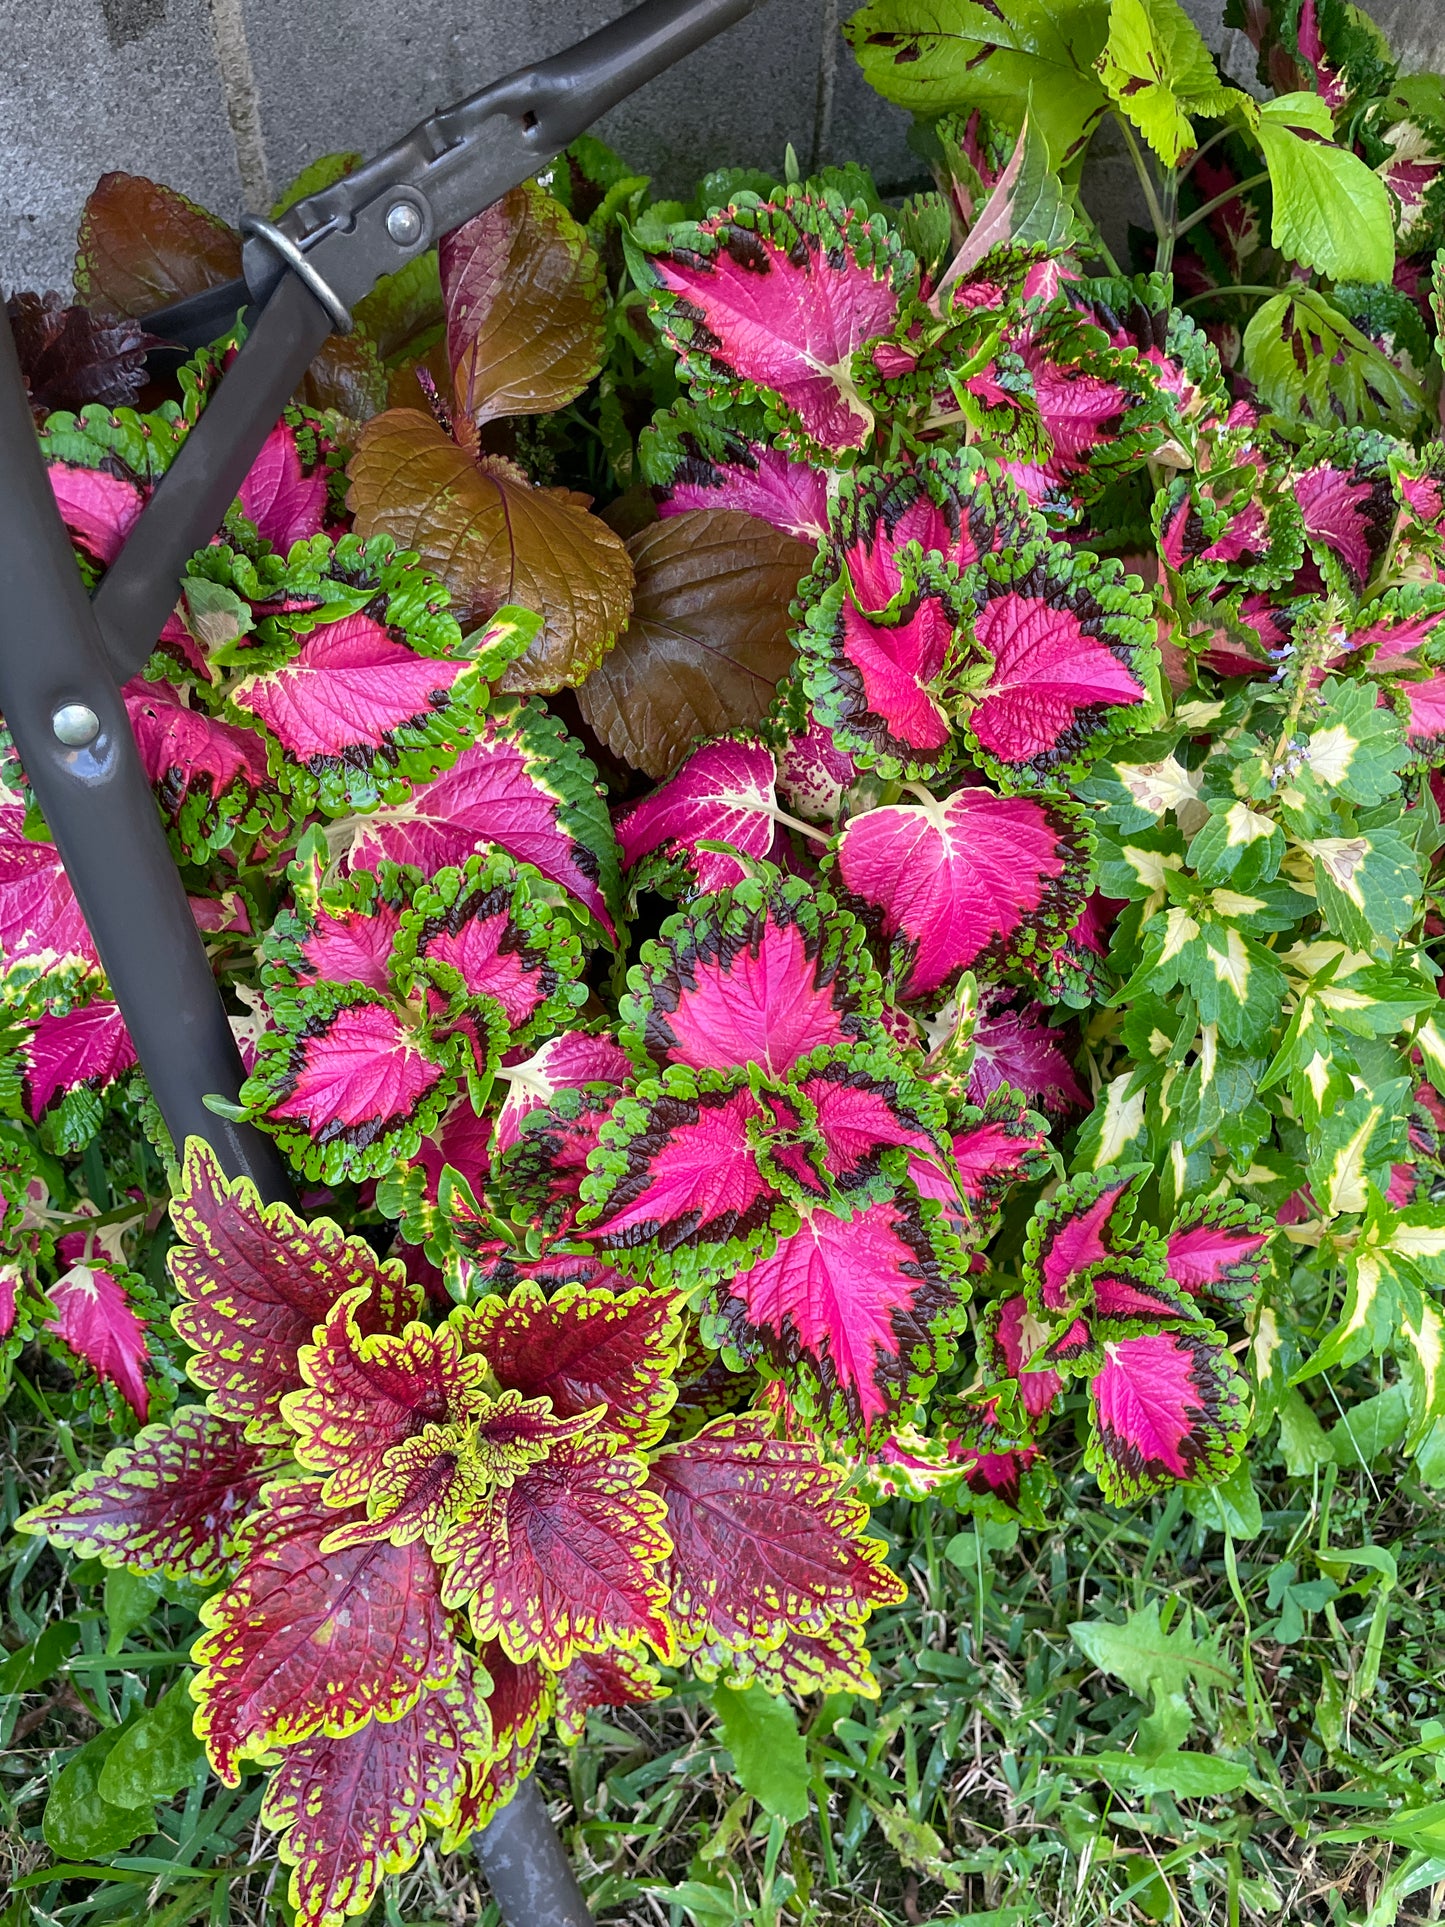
(1056, 924)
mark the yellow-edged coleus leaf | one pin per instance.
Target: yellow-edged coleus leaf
(255, 1280)
(350, 1810)
(1397, 1255)
(304, 1642)
(173, 1500)
(585, 1347)
(1202, 943)
(566, 1558)
(494, 539)
(525, 307)
(602, 1680)
(765, 1542)
(1368, 881)
(833, 1660)
(520, 1701)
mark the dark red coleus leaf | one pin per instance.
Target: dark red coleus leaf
(763, 1538)
(1349, 513)
(365, 1393)
(519, 1702)
(566, 1558)
(94, 1318)
(70, 356)
(172, 1501)
(352, 1809)
(976, 876)
(1015, 1047)
(777, 297)
(304, 1642)
(255, 1281)
(583, 1348)
(88, 1046)
(595, 1680)
(760, 974)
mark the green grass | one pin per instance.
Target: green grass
(997, 1780)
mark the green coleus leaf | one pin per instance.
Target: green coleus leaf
(1352, 1147)
(1236, 982)
(1309, 360)
(1237, 844)
(1331, 212)
(935, 56)
(1158, 71)
(1368, 884)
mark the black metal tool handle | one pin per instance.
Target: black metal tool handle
(100, 809)
(368, 224)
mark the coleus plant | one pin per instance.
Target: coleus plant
(990, 1037)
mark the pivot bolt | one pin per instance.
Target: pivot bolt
(403, 223)
(75, 725)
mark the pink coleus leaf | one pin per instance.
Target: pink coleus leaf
(89, 1046)
(813, 773)
(723, 793)
(1014, 1046)
(93, 1317)
(183, 750)
(755, 479)
(870, 1116)
(522, 785)
(351, 944)
(171, 1501)
(777, 297)
(42, 933)
(485, 934)
(949, 502)
(993, 1147)
(678, 1172)
(285, 502)
(1016, 1335)
(99, 509)
(350, 1086)
(1166, 1406)
(877, 682)
(567, 1063)
(854, 1312)
(1421, 707)
(1066, 645)
(1075, 1230)
(1129, 1292)
(353, 691)
(760, 974)
(1349, 514)
(1215, 1249)
(974, 876)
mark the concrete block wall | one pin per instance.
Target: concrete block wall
(227, 99)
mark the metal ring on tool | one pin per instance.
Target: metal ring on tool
(341, 320)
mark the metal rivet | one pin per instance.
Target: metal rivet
(75, 725)
(403, 223)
